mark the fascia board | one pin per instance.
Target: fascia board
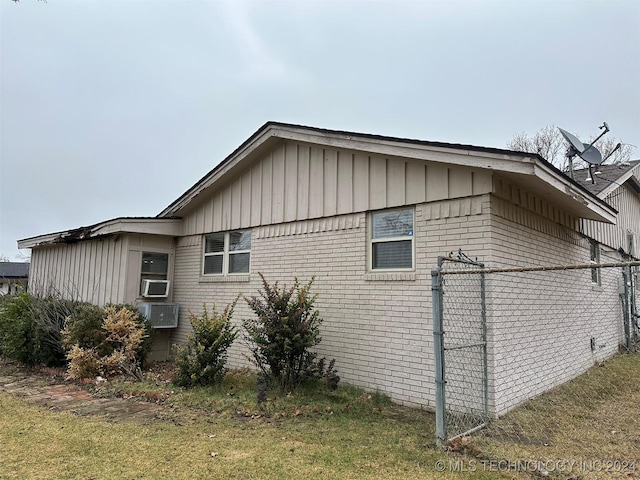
(152, 226)
(218, 172)
(158, 226)
(629, 175)
(601, 210)
(453, 156)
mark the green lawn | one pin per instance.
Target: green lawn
(40, 444)
(314, 433)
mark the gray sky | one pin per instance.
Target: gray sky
(115, 108)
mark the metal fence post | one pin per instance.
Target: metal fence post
(438, 344)
(483, 300)
(628, 309)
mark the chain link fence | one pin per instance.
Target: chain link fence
(521, 353)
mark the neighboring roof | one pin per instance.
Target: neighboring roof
(610, 177)
(521, 167)
(148, 225)
(14, 270)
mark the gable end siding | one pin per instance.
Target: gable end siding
(297, 181)
(627, 202)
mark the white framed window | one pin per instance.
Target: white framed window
(227, 253)
(391, 245)
(594, 248)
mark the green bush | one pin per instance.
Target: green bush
(84, 329)
(16, 328)
(202, 360)
(285, 329)
(48, 315)
(30, 328)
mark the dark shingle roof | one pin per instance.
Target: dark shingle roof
(608, 174)
(14, 270)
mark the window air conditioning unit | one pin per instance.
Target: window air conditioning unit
(161, 315)
(155, 288)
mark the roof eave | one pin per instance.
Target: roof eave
(461, 155)
(150, 226)
(585, 204)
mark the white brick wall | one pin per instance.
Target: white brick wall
(541, 323)
(378, 327)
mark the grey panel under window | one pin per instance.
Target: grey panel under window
(393, 223)
(240, 240)
(392, 254)
(239, 262)
(212, 264)
(214, 243)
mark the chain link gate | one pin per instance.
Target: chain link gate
(462, 353)
(465, 293)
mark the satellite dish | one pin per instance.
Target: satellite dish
(573, 141)
(585, 151)
(591, 155)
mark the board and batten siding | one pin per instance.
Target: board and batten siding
(297, 181)
(627, 202)
(99, 271)
(92, 271)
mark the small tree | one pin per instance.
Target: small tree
(286, 327)
(202, 361)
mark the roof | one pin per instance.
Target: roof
(610, 177)
(521, 167)
(525, 168)
(14, 270)
(146, 225)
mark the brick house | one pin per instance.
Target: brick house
(366, 215)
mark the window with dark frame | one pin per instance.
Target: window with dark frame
(391, 242)
(155, 266)
(227, 253)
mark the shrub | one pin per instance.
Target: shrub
(202, 360)
(286, 327)
(115, 348)
(30, 328)
(48, 315)
(147, 341)
(16, 328)
(84, 329)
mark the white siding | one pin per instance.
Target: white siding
(627, 202)
(99, 271)
(91, 271)
(296, 181)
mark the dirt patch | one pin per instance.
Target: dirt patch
(47, 387)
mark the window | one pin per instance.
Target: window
(227, 253)
(595, 258)
(392, 245)
(155, 266)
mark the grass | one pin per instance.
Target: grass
(313, 433)
(593, 418)
(225, 433)
(41, 444)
